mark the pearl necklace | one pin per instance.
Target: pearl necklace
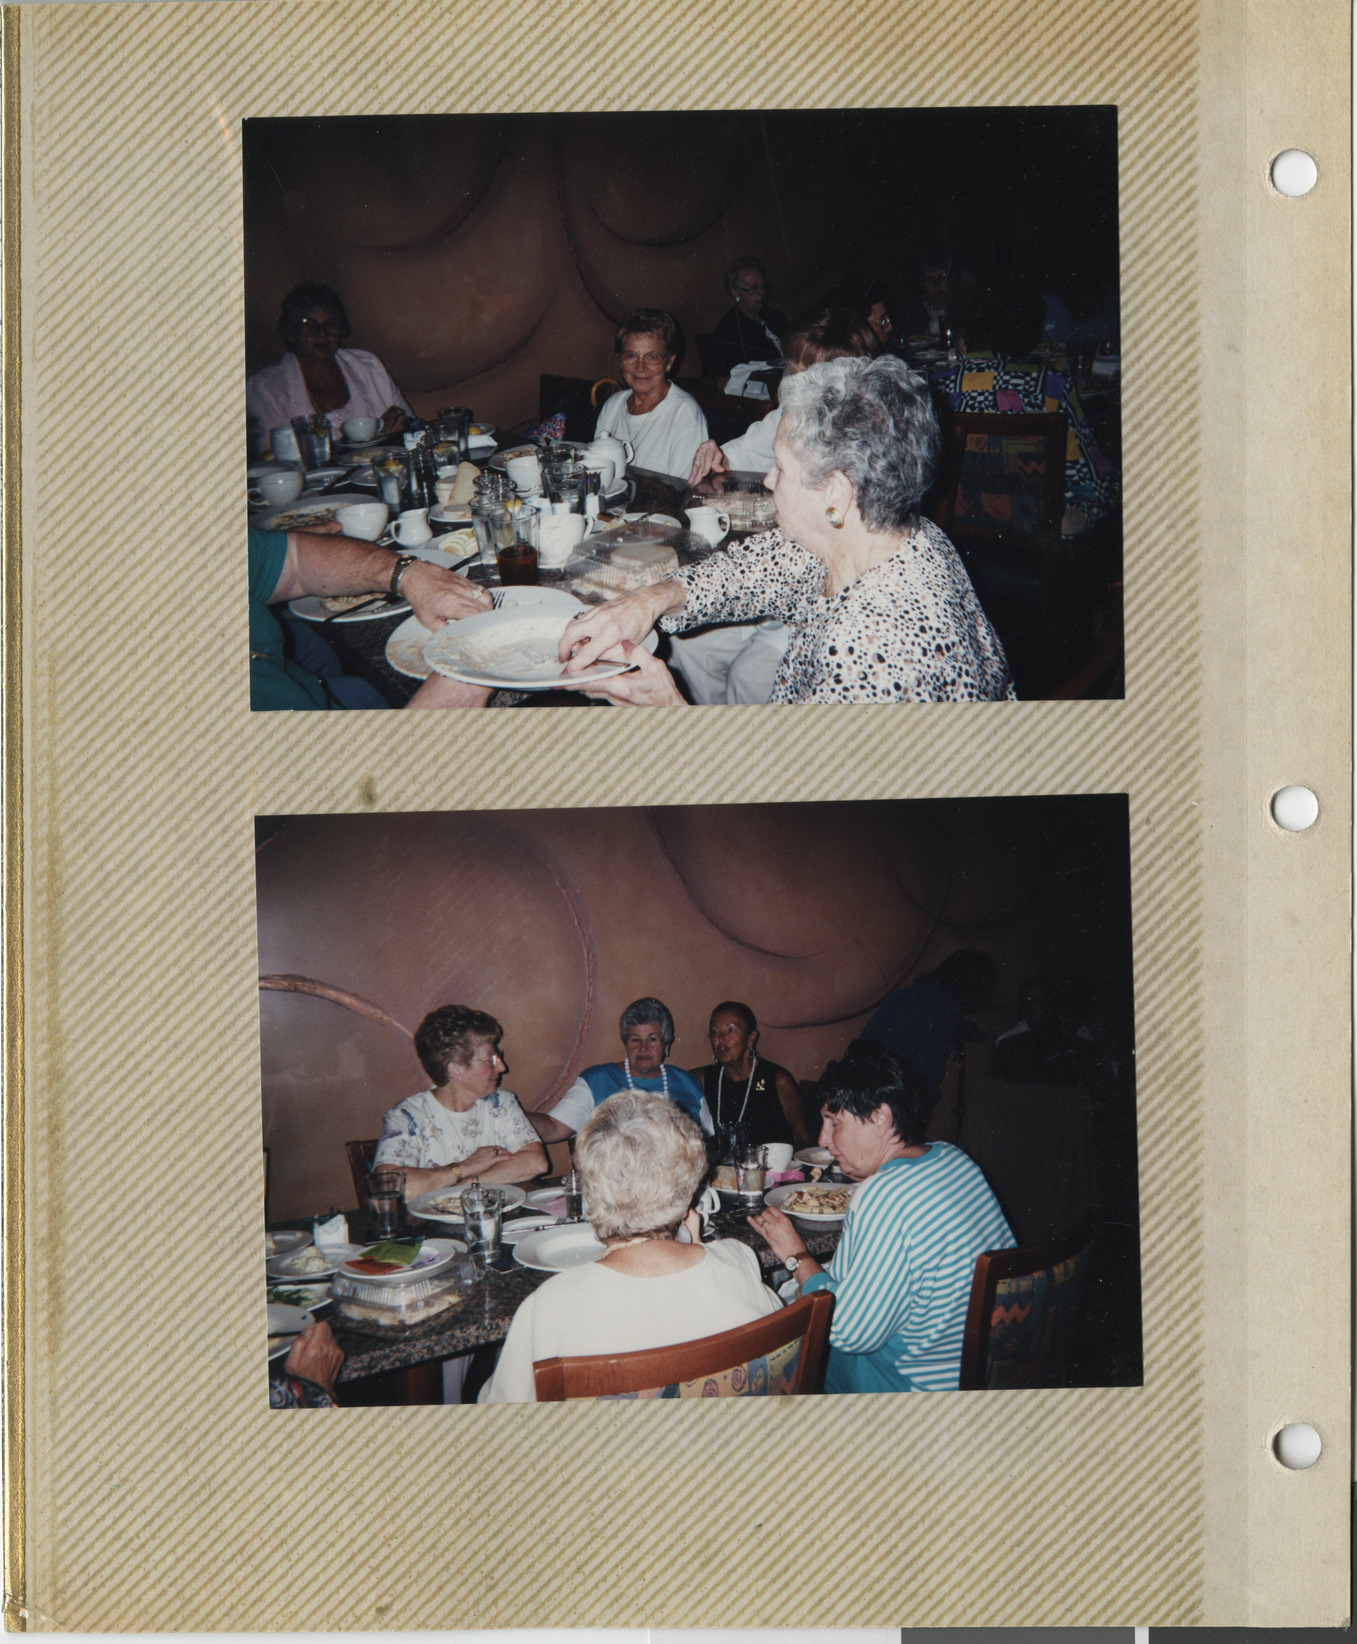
(749, 1085)
(664, 1075)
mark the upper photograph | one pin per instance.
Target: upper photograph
(683, 409)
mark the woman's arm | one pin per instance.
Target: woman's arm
(521, 1166)
(784, 1240)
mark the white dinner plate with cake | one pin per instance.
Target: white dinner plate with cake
(435, 1255)
(310, 1264)
(307, 512)
(405, 646)
(346, 607)
(514, 648)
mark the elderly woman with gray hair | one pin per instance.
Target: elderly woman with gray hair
(647, 1034)
(881, 605)
(641, 1161)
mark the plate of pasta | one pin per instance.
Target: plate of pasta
(810, 1202)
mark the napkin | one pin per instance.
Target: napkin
(777, 1177)
(333, 1236)
(740, 387)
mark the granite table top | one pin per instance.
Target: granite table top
(489, 1298)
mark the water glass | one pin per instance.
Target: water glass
(574, 1197)
(386, 1201)
(750, 1171)
(391, 476)
(490, 520)
(483, 1218)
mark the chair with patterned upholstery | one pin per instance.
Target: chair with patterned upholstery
(781, 1354)
(1022, 1325)
(360, 1162)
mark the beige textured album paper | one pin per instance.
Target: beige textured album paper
(148, 1486)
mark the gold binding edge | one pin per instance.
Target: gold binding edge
(11, 1153)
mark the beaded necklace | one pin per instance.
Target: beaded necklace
(749, 1085)
(664, 1075)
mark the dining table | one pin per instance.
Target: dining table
(361, 641)
(409, 1363)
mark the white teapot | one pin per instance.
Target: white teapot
(608, 448)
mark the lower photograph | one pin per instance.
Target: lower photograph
(698, 1101)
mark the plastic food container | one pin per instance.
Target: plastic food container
(392, 1309)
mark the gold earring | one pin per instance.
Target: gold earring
(835, 518)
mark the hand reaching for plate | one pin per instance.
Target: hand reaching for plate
(599, 629)
(437, 596)
(648, 685)
(709, 458)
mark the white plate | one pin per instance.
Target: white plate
(544, 1195)
(515, 1232)
(513, 1196)
(555, 1249)
(513, 649)
(814, 1158)
(452, 549)
(287, 1322)
(285, 1243)
(405, 645)
(281, 1268)
(308, 503)
(777, 1195)
(313, 1295)
(312, 608)
(452, 513)
(444, 1252)
(652, 519)
(501, 458)
(322, 476)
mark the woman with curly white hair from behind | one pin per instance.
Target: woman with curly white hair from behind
(881, 606)
(641, 1161)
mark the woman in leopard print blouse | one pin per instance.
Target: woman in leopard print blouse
(881, 605)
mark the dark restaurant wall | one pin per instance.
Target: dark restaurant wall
(554, 921)
(475, 252)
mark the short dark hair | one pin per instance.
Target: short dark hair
(868, 1076)
(310, 295)
(643, 322)
(738, 267)
(451, 1034)
(641, 1011)
(747, 1018)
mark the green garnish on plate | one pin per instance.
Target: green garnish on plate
(399, 1252)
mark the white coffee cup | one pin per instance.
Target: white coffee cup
(711, 523)
(358, 430)
(284, 443)
(412, 528)
(525, 472)
(365, 520)
(779, 1155)
(283, 485)
(561, 534)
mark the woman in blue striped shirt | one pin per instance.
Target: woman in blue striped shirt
(902, 1273)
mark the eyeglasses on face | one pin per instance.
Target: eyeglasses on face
(328, 328)
(643, 359)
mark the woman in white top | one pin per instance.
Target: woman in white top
(465, 1125)
(640, 1160)
(665, 425)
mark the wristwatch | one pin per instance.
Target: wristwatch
(402, 565)
(794, 1261)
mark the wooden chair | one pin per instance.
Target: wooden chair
(781, 1354)
(360, 1162)
(1022, 1324)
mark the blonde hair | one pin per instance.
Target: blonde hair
(640, 1159)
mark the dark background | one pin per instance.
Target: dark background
(475, 252)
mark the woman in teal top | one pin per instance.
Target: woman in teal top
(902, 1273)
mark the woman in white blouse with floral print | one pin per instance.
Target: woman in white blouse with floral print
(881, 605)
(464, 1125)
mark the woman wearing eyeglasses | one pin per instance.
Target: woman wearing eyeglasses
(317, 375)
(665, 425)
